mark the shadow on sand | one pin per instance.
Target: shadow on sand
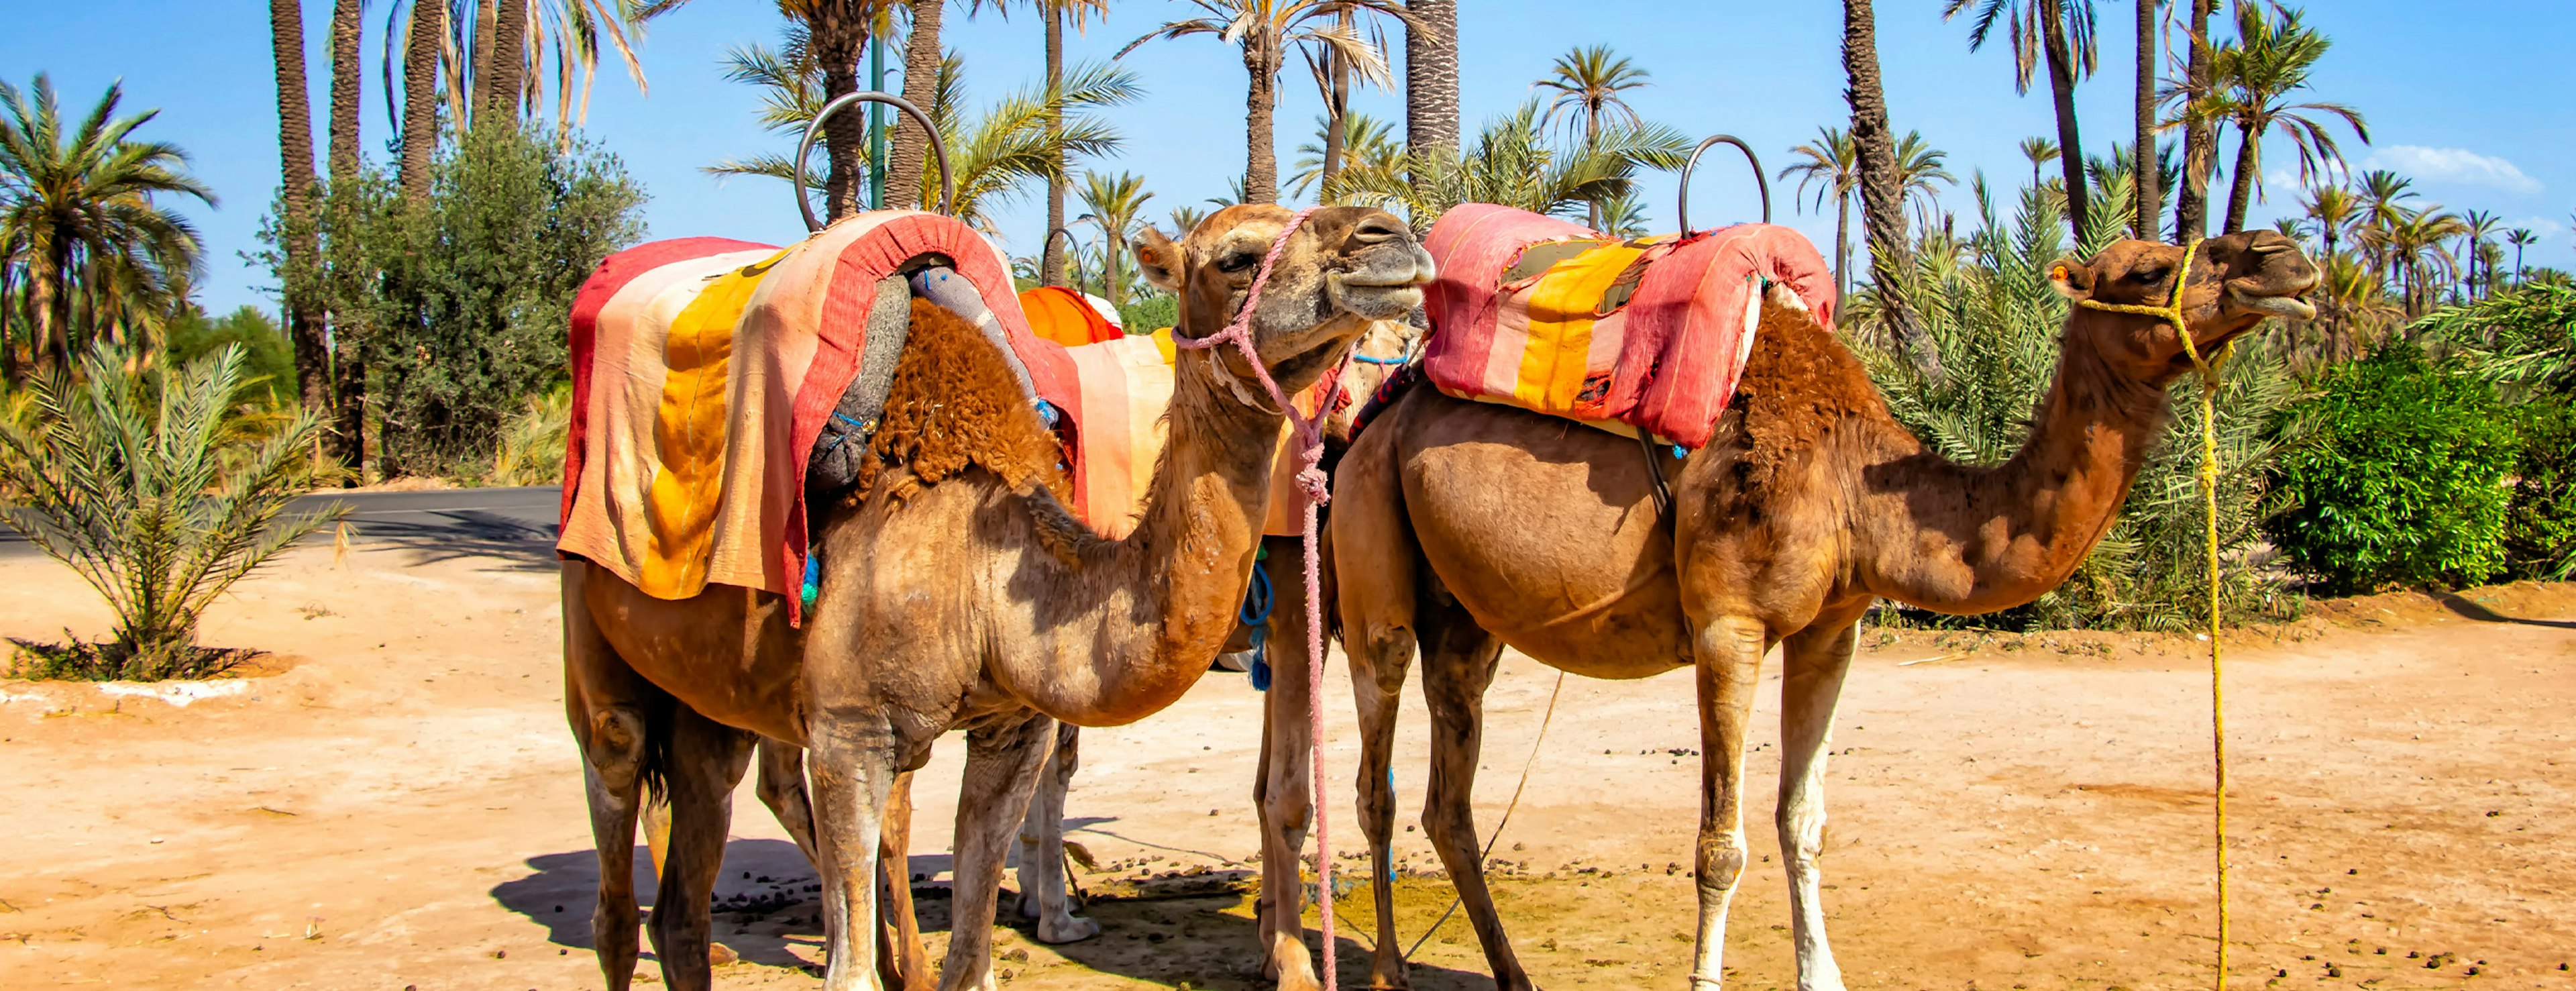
(2468, 609)
(766, 914)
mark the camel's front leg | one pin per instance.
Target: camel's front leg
(1002, 763)
(1042, 882)
(852, 761)
(1814, 661)
(1458, 664)
(1283, 790)
(1379, 659)
(1729, 651)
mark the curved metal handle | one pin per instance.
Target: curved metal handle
(1681, 206)
(1070, 242)
(814, 132)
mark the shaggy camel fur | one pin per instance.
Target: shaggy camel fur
(1464, 527)
(958, 593)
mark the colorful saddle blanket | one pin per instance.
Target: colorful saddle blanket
(1541, 313)
(1069, 318)
(706, 371)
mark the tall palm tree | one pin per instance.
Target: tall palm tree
(1366, 142)
(1264, 29)
(2271, 60)
(2383, 195)
(1588, 82)
(2059, 33)
(296, 204)
(420, 94)
(77, 205)
(575, 32)
(1185, 218)
(2148, 169)
(1431, 77)
(2477, 230)
(836, 35)
(2199, 125)
(1055, 14)
(1918, 167)
(348, 399)
(1114, 203)
(2332, 209)
(2040, 152)
(1882, 198)
(1514, 162)
(2417, 245)
(2520, 238)
(1832, 166)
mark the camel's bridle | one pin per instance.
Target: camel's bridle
(2172, 313)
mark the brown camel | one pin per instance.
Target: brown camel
(1463, 527)
(958, 593)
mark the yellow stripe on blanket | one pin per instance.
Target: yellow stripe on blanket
(689, 435)
(1561, 307)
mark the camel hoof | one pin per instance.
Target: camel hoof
(1068, 929)
(1029, 908)
(719, 955)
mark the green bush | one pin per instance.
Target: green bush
(2402, 482)
(268, 359)
(2540, 530)
(1145, 316)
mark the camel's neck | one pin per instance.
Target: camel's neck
(1964, 539)
(1162, 601)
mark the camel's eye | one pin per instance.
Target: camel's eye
(2151, 276)
(1236, 261)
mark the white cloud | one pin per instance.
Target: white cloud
(2453, 165)
(2548, 228)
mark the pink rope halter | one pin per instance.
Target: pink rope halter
(1317, 489)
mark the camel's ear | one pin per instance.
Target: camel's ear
(2072, 279)
(1159, 257)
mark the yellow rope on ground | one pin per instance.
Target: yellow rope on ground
(2172, 313)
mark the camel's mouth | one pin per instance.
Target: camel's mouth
(2287, 307)
(1384, 286)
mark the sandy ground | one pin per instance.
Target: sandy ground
(394, 803)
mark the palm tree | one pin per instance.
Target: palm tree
(2199, 126)
(1622, 216)
(420, 94)
(2059, 32)
(1366, 142)
(2352, 305)
(1055, 13)
(1114, 203)
(1588, 82)
(2149, 191)
(2520, 238)
(1185, 218)
(2477, 229)
(1431, 77)
(1514, 163)
(2383, 197)
(1264, 29)
(576, 32)
(76, 207)
(1918, 166)
(2270, 61)
(2332, 209)
(1882, 198)
(1832, 166)
(2040, 152)
(2417, 246)
(836, 34)
(296, 205)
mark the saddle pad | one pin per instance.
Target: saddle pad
(1540, 313)
(1067, 317)
(1124, 386)
(703, 372)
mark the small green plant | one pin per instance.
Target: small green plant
(531, 450)
(132, 475)
(1152, 313)
(2403, 482)
(2540, 531)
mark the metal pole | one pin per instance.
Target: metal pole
(876, 119)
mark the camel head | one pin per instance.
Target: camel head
(2235, 282)
(1346, 267)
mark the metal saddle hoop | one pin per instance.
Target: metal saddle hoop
(814, 132)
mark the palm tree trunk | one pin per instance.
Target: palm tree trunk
(1337, 108)
(44, 292)
(2150, 201)
(2242, 195)
(347, 30)
(1842, 245)
(905, 161)
(1882, 199)
(509, 60)
(295, 148)
(481, 80)
(837, 36)
(1050, 256)
(2199, 138)
(1431, 79)
(1261, 158)
(2061, 86)
(349, 393)
(420, 96)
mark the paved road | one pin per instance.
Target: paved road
(460, 521)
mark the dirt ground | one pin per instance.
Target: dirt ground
(393, 802)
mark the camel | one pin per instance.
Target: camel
(957, 592)
(1463, 527)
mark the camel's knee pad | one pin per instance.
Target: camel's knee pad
(616, 746)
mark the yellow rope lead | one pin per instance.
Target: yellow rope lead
(2172, 313)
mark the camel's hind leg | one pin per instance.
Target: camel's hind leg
(707, 760)
(1815, 660)
(1042, 871)
(1729, 652)
(1283, 791)
(1376, 567)
(612, 711)
(1459, 659)
(1002, 764)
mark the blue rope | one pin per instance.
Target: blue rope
(1258, 617)
(1364, 359)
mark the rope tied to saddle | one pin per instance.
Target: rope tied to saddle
(1317, 488)
(2172, 313)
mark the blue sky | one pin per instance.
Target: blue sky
(2469, 98)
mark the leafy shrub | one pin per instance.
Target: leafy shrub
(2403, 483)
(2524, 339)
(531, 451)
(268, 359)
(1986, 304)
(1145, 316)
(2540, 530)
(132, 478)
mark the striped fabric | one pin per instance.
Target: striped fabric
(1067, 317)
(1540, 313)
